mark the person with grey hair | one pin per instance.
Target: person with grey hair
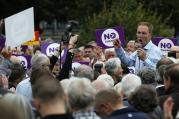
(15, 107)
(144, 98)
(81, 98)
(84, 71)
(109, 53)
(114, 69)
(100, 84)
(148, 76)
(38, 61)
(130, 48)
(164, 61)
(106, 78)
(128, 84)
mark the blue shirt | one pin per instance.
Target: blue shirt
(154, 54)
(24, 88)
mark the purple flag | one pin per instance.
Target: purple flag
(49, 50)
(2, 41)
(25, 60)
(164, 43)
(105, 37)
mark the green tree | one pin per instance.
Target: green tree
(126, 13)
(164, 8)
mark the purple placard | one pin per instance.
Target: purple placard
(24, 48)
(104, 37)
(25, 60)
(82, 62)
(2, 41)
(49, 49)
(164, 43)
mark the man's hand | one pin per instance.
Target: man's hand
(168, 106)
(117, 43)
(73, 41)
(142, 54)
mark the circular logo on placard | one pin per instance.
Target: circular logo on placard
(23, 61)
(131, 70)
(165, 44)
(20, 27)
(108, 36)
(51, 49)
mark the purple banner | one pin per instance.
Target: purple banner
(164, 43)
(2, 41)
(25, 60)
(49, 50)
(105, 37)
(82, 62)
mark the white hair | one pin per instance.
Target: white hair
(84, 71)
(15, 59)
(100, 85)
(107, 78)
(15, 106)
(129, 83)
(118, 88)
(112, 65)
(109, 50)
(65, 84)
(81, 93)
(39, 60)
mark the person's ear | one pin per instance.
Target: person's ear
(105, 106)
(37, 103)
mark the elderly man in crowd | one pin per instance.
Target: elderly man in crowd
(114, 69)
(81, 95)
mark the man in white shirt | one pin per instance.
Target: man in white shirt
(145, 56)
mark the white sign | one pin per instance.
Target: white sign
(23, 61)
(165, 45)
(51, 49)
(132, 70)
(19, 28)
(108, 36)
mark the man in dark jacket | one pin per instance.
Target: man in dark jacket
(67, 66)
(109, 105)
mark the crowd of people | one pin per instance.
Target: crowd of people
(93, 83)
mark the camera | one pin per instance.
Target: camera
(68, 31)
(172, 54)
(67, 35)
(98, 67)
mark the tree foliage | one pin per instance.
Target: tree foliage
(164, 8)
(126, 13)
